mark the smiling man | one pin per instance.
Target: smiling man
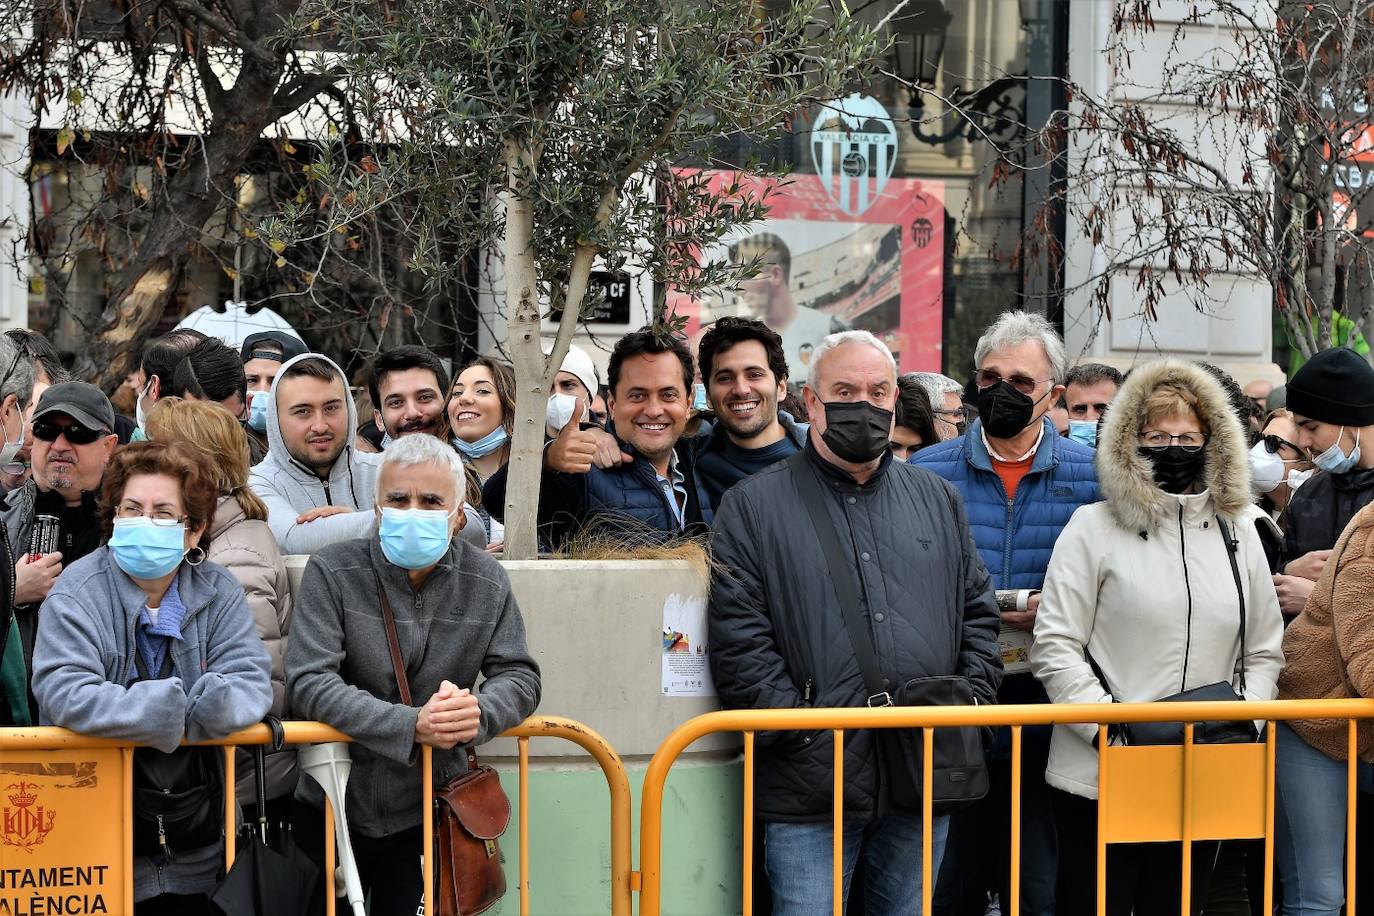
(745, 372)
(408, 386)
(779, 637)
(655, 496)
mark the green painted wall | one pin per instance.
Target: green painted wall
(570, 857)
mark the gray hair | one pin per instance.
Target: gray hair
(936, 386)
(1012, 328)
(839, 339)
(420, 448)
(20, 382)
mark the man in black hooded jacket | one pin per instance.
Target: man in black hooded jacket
(778, 637)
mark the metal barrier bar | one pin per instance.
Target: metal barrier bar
(748, 824)
(1103, 739)
(929, 717)
(1186, 847)
(1352, 758)
(927, 817)
(524, 745)
(837, 829)
(1271, 743)
(297, 732)
(1015, 879)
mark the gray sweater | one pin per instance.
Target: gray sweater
(463, 622)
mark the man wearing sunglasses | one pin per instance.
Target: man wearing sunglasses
(73, 440)
(1020, 481)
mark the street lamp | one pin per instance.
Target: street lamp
(918, 43)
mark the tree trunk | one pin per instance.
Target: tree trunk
(191, 198)
(527, 358)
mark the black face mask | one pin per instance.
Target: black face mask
(1004, 410)
(857, 431)
(1175, 467)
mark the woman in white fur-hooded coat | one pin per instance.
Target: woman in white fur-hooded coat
(1142, 581)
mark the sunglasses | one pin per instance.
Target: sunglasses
(75, 433)
(1022, 383)
(1273, 443)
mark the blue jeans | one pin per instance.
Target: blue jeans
(1309, 824)
(799, 861)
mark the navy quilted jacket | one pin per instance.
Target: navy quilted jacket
(1016, 539)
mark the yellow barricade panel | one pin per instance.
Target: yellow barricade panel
(63, 829)
(1144, 786)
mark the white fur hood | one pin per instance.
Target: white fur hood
(1125, 477)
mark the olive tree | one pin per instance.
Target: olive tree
(556, 129)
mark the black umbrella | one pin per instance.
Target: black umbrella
(264, 881)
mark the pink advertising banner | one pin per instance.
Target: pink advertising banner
(857, 253)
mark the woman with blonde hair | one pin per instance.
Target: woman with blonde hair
(241, 542)
(1170, 560)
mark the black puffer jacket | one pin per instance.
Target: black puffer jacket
(777, 633)
(1322, 507)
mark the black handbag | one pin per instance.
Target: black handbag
(178, 798)
(959, 775)
(1241, 731)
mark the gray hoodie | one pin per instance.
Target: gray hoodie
(462, 623)
(289, 488)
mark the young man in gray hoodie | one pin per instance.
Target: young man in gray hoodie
(318, 488)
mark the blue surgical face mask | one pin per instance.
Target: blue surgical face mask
(483, 446)
(699, 401)
(1335, 461)
(257, 411)
(414, 538)
(145, 549)
(1084, 431)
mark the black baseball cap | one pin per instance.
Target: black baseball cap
(83, 402)
(289, 345)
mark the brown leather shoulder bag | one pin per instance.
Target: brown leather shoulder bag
(471, 811)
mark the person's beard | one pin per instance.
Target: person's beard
(749, 427)
(430, 426)
(321, 466)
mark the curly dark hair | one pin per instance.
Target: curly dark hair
(178, 460)
(1244, 408)
(731, 330)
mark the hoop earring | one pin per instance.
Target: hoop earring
(200, 555)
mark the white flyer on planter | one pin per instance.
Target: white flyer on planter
(686, 666)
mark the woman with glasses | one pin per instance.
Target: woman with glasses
(146, 642)
(241, 542)
(1142, 601)
(1278, 465)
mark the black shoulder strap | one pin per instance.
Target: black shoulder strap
(846, 589)
(141, 666)
(1232, 548)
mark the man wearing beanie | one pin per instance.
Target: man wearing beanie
(1332, 399)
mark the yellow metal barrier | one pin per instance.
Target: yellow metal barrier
(48, 739)
(1185, 793)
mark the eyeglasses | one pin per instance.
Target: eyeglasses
(1273, 443)
(956, 414)
(1157, 438)
(164, 517)
(76, 433)
(987, 378)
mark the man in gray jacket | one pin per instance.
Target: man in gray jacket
(455, 618)
(779, 640)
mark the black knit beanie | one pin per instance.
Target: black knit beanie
(1335, 386)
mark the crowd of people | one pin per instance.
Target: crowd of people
(871, 533)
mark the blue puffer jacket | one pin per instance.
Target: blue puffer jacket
(1016, 539)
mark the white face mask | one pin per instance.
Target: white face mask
(1266, 469)
(1297, 478)
(140, 418)
(9, 451)
(560, 411)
